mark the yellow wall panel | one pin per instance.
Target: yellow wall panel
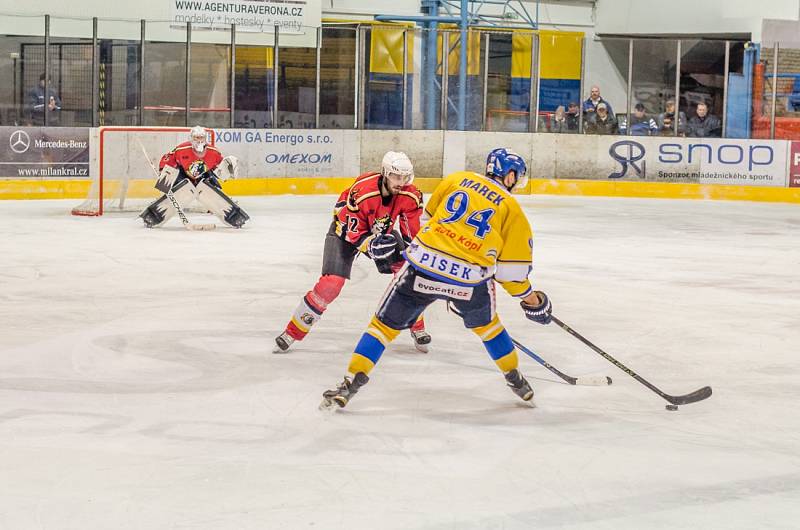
(561, 54)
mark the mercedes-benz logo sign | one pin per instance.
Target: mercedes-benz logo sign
(19, 142)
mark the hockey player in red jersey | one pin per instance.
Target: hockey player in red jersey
(193, 170)
(363, 222)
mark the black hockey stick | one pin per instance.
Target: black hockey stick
(685, 399)
(593, 380)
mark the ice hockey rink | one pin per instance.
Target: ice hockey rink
(138, 391)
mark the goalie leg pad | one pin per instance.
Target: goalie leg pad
(221, 205)
(161, 211)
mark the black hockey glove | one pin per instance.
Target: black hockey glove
(383, 251)
(538, 313)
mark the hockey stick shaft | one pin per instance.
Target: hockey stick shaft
(697, 395)
(602, 380)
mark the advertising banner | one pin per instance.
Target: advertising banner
(794, 165)
(686, 160)
(44, 152)
(292, 152)
(249, 15)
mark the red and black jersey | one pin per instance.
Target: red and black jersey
(361, 211)
(190, 163)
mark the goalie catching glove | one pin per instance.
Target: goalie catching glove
(384, 249)
(540, 313)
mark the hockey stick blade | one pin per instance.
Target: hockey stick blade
(692, 397)
(198, 227)
(588, 380)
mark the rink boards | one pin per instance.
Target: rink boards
(61, 162)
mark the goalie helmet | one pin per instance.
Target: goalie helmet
(501, 161)
(397, 168)
(198, 138)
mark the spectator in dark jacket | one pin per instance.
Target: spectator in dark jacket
(704, 125)
(666, 120)
(38, 98)
(640, 123)
(592, 102)
(573, 117)
(603, 123)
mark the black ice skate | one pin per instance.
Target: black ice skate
(344, 393)
(282, 343)
(421, 340)
(519, 385)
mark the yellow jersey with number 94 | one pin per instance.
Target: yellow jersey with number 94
(476, 231)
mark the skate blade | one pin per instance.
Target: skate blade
(328, 405)
(278, 349)
(423, 348)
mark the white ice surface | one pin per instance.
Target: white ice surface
(138, 391)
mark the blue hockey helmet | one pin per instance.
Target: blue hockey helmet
(502, 160)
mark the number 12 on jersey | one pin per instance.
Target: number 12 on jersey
(457, 205)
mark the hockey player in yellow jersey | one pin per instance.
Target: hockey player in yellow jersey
(477, 235)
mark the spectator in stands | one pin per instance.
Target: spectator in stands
(38, 98)
(640, 123)
(591, 104)
(558, 121)
(603, 123)
(666, 120)
(573, 119)
(704, 125)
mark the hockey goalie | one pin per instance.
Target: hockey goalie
(192, 172)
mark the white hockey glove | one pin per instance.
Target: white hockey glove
(167, 178)
(228, 169)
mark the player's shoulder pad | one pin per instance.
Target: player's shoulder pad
(413, 193)
(182, 146)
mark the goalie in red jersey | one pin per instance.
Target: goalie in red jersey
(363, 222)
(193, 171)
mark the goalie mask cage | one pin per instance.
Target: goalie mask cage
(124, 180)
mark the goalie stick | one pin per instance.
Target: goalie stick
(692, 397)
(591, 380)
(174, 201)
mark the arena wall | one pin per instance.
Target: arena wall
(322, 161)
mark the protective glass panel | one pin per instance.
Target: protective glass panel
(71, 72)
(738, 117)
(297, 87)
(210, 79)
(606, 82)
(18, 64)
(465, 106)
(702, 85)
(338, 78)
(787, 100)
(165, 75)
(425, 86)
(652, 104)
(119, 72)
(255, 87)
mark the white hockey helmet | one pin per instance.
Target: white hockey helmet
(397, 168)
(199, 138)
